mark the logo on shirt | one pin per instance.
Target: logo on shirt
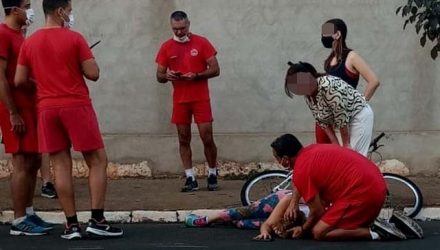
(194, 52)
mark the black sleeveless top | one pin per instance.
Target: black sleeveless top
(342, 72)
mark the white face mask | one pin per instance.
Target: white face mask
(183, 39)
(71, 21)
(30, 15)
(69, 24)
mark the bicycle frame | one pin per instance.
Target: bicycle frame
(286, 184)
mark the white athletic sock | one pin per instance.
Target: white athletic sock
(190, 173)
(18, 220)
(30, 211)
(374, 235)
(212, 171)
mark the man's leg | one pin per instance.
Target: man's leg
(97, 162)
(62, 162)
(210, 149)
(22, 183)
(323, 231)
(22, 189)
(206, 134)
(184, 134)
(47, 188)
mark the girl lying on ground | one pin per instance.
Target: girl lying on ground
(266, 214)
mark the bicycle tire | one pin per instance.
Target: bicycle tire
(251, 185)
(403, 195)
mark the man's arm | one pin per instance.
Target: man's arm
(164, 75)
(316, 211)
(292, 210)
(17, 122)
(90, 69)
(212, 71)
(5, 91)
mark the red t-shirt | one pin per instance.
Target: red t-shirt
(10, 43)
(54, 57)
(336, 173)
(184, 58)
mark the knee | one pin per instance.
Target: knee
(208, 140)
(96, 158)
(319, 234)
(184, 141)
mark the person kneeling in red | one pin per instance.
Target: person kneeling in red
(343, 190)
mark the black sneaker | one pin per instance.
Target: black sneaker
(387, 231)
(212, 182)
(102, 228)
(190, 185)
(407, 225)
(48, 191)
(72, 232)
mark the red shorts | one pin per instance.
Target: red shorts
(59, 128)
(183, 112)
(26, 143)
(321, 135)
(352, 215)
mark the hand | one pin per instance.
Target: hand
(17, 124)
(190, 76)
(279, 230)
(263, 236)
(292, 211)
(173, 75)
(297, 232)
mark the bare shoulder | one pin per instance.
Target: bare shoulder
(353, 55)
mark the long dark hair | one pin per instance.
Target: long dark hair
(341, 45)
(300, 67)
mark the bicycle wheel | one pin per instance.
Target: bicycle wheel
(263, 184)
(402, 195)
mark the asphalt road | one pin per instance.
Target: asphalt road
(176, 236)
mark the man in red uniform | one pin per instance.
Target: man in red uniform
(59, 59)
(343, 190)
(188, 61)
(18, 121)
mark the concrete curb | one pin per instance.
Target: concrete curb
(178, 216)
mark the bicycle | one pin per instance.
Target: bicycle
(403, 194)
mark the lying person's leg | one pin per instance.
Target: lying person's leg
(260, 209)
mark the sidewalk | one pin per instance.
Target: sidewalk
(162, 195)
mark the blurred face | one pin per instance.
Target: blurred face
(302, 84)
(329, 34)
(328, 29)
(180, 28)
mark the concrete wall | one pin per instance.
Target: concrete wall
(255, 39)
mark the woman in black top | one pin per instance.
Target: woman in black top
(344, 63)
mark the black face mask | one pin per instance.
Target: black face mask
(327, 41)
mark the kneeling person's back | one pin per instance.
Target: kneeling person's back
(337, 173)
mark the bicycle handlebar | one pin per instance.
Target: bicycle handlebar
(376, 140)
